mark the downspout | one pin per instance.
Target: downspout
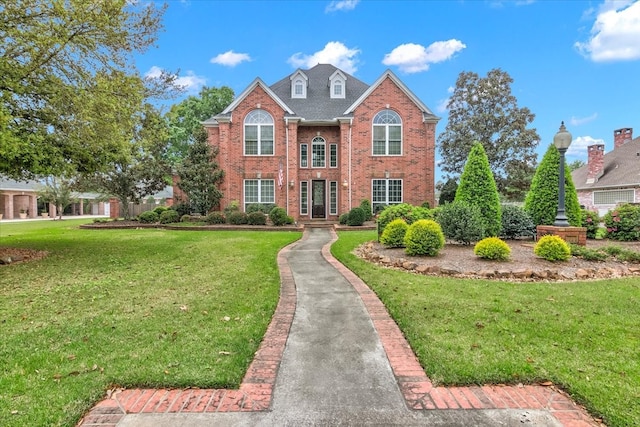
(286, 183)
(349, 172)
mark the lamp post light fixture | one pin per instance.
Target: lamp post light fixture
(561, 140)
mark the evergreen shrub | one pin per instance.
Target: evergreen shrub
(278, 216)
(182, 208)
(148, 217)
(342, 219)
(516, 222)
(356, 217)
(365, 205)
(424, 237)
(492, 248)
(169, 216)
(237, 218)
(552, 248)
(160, 209)
(393, 234)
(461, 222)
(623, 223)
(405, 211)
(257, 218)
(185, 218)
(215, 218)
(591, 221)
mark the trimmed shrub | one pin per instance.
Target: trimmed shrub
(356, 217)
(233, 206)
(215, 218)
(148, 217)
(461, 222)
(478, 188)
(342, 219)
(265, 208)
(424, 237)
(405, 211)
(182, 208)
(393, 234)
(185, 218)
(590, 220)
(257, 218)
(492, 248)
(237, 218)
(588, 254)
(278, 216)
(552, 248)
(169, 216)
(160, 209)
(365, 205)
(623, 223)
(516, 222)
(541, 201)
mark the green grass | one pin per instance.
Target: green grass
(583, 336)
(130, 308)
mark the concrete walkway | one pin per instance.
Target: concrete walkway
(332, 356)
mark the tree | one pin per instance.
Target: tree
(576, 164)
(478, 188)
(200, 175)
(483, 109)
(185, 118)
(542, 199)
(68, 82)
(448, 191)
(142, 170)
(57, 191)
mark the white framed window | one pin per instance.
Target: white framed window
(337, 85)
(259, 191)
(337, 89)
(304, 198)
(612, 197)
(318, 155)
(333, 198)
(387, 134)
(385, 192)
(333, 155)
(298, 88)
(299, 85)
(304, 156)
(258, 134)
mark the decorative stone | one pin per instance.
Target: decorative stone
(434, 269)
(422, 269)
(522, 273)
(487, 273)
(450, 271)
(408, 265)
(581, 273)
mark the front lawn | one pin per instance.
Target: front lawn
(132, 308)
(583, 336)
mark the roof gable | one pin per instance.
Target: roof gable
(257, 82)
(620, 168)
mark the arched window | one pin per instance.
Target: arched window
(258, 134)
(318, 152)
(298, 89)
(387, 134)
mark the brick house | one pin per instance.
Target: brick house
(319, 141)
(611, 178)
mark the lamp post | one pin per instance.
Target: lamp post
(561, 140)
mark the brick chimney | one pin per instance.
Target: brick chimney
(595, 162)
(622, 136)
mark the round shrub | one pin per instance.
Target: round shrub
(278, 216)
(623, 223)
(185, 218)
(461, 222)
(492, 248)
(365, 205)
(591, 221)
(160, 209)
(169, 216)
(342, 219)
(215, 218)
(237, 218)
(405, 211)
(148, 217)
(552, 248)
(516, 222)
(424, 237)
(356, 217)
(393, 234)
(257, 218)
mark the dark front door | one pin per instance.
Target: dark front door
(318, 197)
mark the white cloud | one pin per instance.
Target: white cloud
(335, 6)
(578, 147)
(615, 34)
(230, 58)
(577, 121)
(191, 82)
(413, 58)
(334, 53)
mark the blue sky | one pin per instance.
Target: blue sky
(572, 61)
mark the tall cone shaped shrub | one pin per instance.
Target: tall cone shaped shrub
(478, 188)
(541, 201)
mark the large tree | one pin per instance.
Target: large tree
(68, 82)
(483, 109)
(185, 118)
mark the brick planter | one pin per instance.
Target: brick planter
(577, 235)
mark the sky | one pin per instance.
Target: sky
(573, 61)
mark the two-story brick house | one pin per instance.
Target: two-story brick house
(319, 141)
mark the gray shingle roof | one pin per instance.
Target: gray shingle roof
(621, 168)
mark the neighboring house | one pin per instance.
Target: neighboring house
(320, 141)
(612, 178)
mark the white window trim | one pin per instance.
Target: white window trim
(386, 135)
(333, 146)
(313, 159)
(301, 158)
(260, 200)
(386, 201)
(333, 193)
(615, 202)
(299, 77)
(259, 125)
(304, 207)
(337, 79)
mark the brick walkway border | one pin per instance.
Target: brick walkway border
(256, 390)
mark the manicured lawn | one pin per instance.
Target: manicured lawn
(148, 308)
(583, 336)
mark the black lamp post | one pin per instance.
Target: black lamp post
(561, 140)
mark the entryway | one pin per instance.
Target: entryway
(318, 199)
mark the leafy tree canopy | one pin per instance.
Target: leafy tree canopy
(68, 86)
(576, 164)
(483, 109)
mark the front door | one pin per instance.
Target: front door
(318, 197)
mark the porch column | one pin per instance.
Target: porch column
(33, 206)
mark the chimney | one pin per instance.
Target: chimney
(622, 136)
(595, 162)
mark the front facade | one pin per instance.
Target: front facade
(320, 141)
(612, 178)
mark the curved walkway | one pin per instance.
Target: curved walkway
(333, 356)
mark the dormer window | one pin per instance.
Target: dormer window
(337, 85)
(299, 85)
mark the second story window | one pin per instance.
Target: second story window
(387, 134)
(258, 134)
(318, 152)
